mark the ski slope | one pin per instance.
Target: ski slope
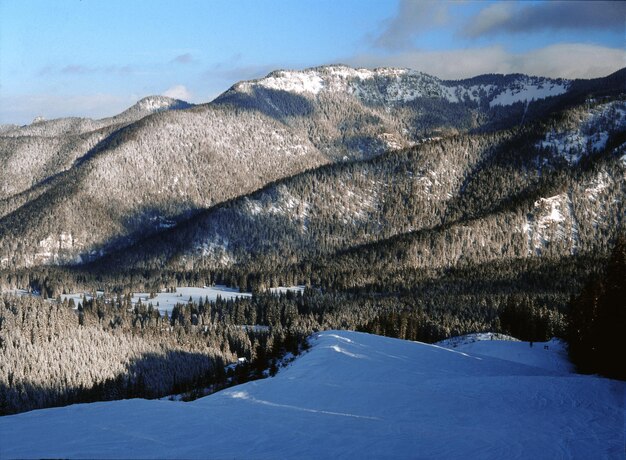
(358, 396)
(550, 355)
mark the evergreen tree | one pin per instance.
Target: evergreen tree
(598, 320)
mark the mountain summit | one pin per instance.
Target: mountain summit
(395, 86)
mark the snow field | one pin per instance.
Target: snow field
(167, 300)
(551, 355)
(285, 289)
(355, 395)
(528, 91)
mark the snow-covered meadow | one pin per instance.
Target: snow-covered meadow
(356, 395)
(165, 301)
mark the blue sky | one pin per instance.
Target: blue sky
(97, 57)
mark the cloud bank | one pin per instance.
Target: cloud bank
(566, 60)
(413, 18)
(513, 18)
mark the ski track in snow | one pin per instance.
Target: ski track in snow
(355, 395)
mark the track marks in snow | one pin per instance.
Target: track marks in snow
(246, 397)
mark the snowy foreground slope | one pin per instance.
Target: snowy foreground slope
(355, 396)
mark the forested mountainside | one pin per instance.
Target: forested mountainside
(74, 190)
(34, 153)
(104, 350)
(551, 188)
(142, 176)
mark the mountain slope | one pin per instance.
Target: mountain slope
(147, 173)
(32, 156)
(352, 396)
(85, 194)
(76, 125)
(552, 189)
(370, 111)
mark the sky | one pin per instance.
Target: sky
(95, 58)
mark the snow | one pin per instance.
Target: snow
(78, 298)
(523, 89)
(339, 78)
(553, 205)
(460, 93)
(295, 82)
(348, 72)
(462, 340)
(527, 91)
(155, 103)
(551, 355)
(356, 395)
(600, 182)
(167, 300)
(590, 136)
(285, 289)
(551, 219)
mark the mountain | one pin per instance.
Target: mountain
(75, 190)
(141, 176)
(32, 156)
(356, 395)
(41, 127)
(34, 153)
(553, 188)
(386, 86)
(359, 112)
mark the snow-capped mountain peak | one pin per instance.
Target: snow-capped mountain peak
(388, 85)
(384, 85)
(152, 104)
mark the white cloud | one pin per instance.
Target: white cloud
(567, 60)
(178, 92)
(574, 60)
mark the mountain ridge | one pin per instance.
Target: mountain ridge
(183, 161)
